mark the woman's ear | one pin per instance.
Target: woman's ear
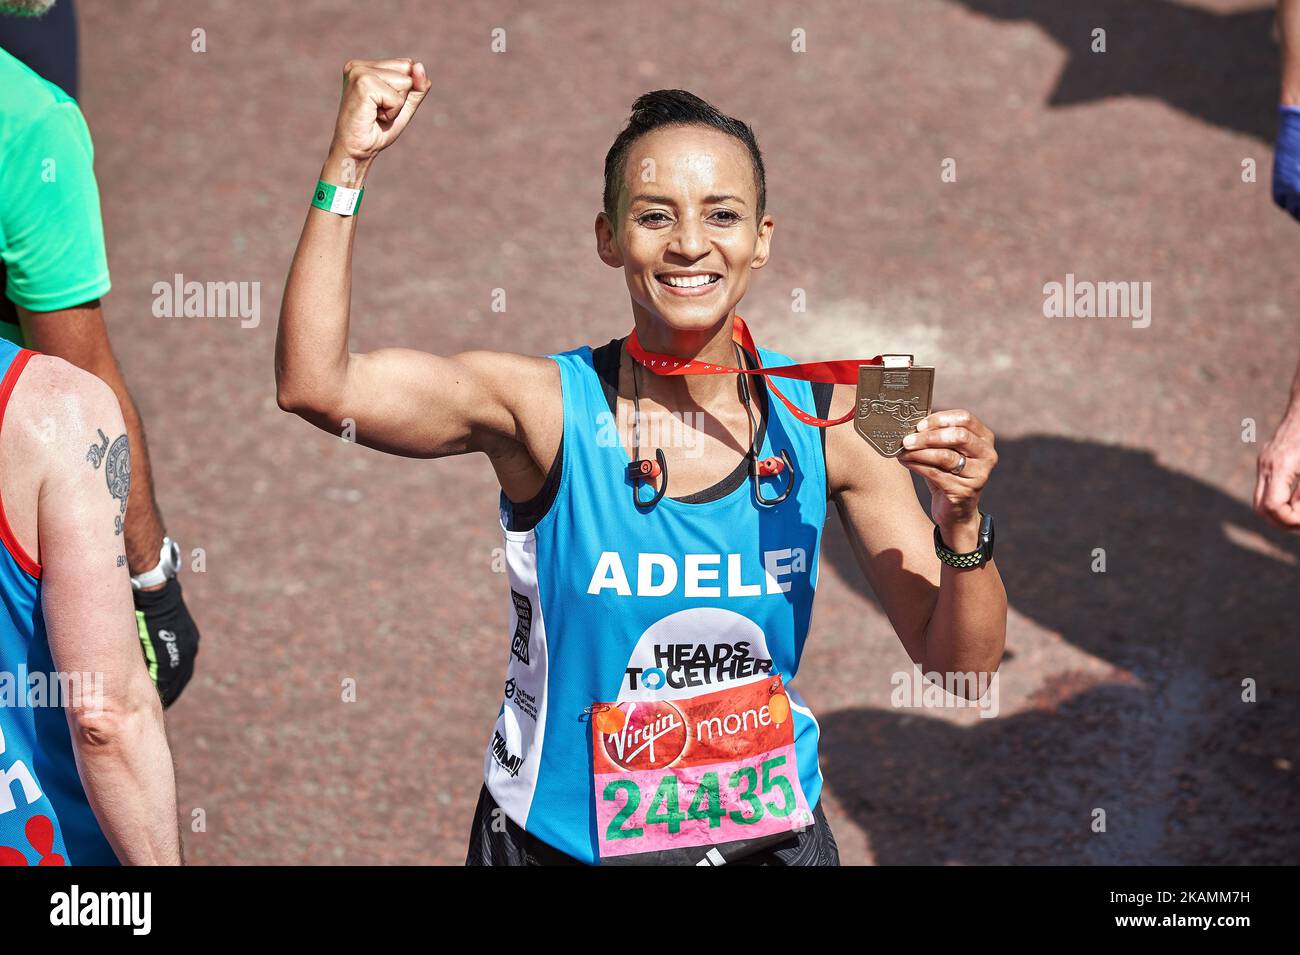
(763, 242)
(607, 242)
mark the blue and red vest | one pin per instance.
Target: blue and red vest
(45, 817)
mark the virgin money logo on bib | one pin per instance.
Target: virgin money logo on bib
(653, 736)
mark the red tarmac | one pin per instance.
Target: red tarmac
(327, 562)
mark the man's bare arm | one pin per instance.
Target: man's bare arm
(1288, 31)
(118, 737)
(78, 335)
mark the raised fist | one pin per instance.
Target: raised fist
(379, 99)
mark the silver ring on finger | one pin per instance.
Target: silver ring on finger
(960, 464)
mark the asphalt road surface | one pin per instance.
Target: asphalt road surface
(1122, 691)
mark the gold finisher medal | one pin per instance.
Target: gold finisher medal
(892, 398)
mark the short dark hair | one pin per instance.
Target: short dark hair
(675, 108)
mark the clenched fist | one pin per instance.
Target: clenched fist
(379, 99)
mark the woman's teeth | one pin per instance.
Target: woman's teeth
(692, 281)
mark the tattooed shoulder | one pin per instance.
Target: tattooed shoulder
(116, 458)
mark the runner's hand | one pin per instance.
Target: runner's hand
(1277, 493)
(942, 436)
(379, 99)
(168, 637)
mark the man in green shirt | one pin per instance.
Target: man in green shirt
(54, 270)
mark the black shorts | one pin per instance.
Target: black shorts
(509, 844)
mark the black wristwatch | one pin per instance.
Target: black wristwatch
(976, 558)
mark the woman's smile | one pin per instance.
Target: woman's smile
(689, 284)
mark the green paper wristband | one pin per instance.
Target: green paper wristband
(337, 199)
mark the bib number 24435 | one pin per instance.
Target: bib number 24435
(673, 776)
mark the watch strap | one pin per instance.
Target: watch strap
(975, 558)
(168, 566)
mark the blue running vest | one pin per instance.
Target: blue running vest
(45, 817)
(593, 616)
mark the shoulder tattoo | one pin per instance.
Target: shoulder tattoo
(116, 459)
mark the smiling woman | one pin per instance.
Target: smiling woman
(684, 216)
(724, 580)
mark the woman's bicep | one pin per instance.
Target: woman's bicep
(418, 404)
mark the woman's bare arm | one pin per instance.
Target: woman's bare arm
(948, 620)
(398, 400)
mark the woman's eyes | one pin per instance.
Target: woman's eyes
(654, 218)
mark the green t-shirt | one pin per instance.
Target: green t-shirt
(51, 235)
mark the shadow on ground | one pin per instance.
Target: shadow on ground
(1198, 595)
(1220, 67)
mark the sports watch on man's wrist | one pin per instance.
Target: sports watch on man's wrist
(169, 565)
(976, 558)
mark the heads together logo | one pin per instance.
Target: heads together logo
(695, 651)
(1086, 299)
(182, 299)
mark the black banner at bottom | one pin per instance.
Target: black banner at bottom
(337, 903)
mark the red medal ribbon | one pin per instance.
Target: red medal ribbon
(841, 372)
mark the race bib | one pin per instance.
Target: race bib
(696, 780)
